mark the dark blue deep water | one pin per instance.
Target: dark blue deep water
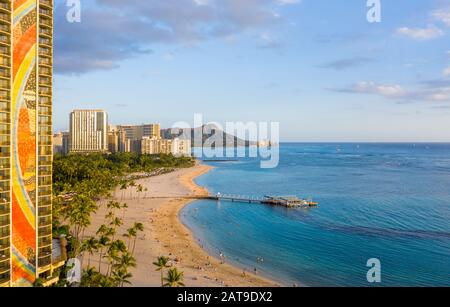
(385, 201)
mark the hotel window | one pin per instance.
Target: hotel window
(4, 83)
(4, 243)
(4, 152)
(4, 277)
(4, 95)
(4, 117)
(45, 241)
(5, 196)
(4, 219)
(4, 72)
(4, 186)
(4, 208)
(45, 201)
(4, 232)
(4, 140)
(45, 231)
(45, 180)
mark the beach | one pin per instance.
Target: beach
(164, 234)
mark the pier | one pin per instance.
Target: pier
(283, 201)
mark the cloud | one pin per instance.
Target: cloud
(286, 2)
(267, 41)
(442, 15)
(114, 30)
(369, 87)
(431, 32)
(344, 64)
(446, 72)
(432, 92)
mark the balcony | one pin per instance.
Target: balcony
(45, 22)
(5, 6)
(46, 231)
(45, 260)
(47, 3)
(5, 17)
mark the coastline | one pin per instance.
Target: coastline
(166, 235)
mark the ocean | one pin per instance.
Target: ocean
(385, 201)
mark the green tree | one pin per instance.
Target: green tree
(161, 264)
(138, 227)
(121, 277)
(139, 190)
(174, 278)
(90, 245)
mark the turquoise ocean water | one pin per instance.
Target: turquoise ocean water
(385, 201)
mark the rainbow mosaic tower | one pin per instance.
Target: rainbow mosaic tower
(26, 58)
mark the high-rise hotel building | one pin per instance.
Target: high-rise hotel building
(26, 40)
(88, 131)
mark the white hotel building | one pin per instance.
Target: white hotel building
(88, 131)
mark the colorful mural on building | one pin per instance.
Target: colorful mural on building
(24, 126)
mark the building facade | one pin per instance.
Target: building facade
(88, 131)
(181, 148)
(61, 143)
(26, 153)
(150, 146)
(113, 140)
(132, 136)
(58, 143)
(177, 147)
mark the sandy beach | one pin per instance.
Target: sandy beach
(158, 209)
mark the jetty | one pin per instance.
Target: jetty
(283, 201)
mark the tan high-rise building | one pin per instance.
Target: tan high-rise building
(150, 146)
(26, 153)
(88, 131)
(134, 134)
(113, 140)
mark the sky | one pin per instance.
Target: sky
(318, 67)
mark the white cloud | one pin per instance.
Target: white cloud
(428, 33)
(446, 72)
(386, 90)
(430, 93)
(442, 15)
(115, 30)
(287, 2)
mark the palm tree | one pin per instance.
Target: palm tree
(90, 245)
(121, 277)
(116, 222)
(89, 278)
(110, 215)
(125, 262)
(102, 243)
(124, 208)
(161, 264)
(123, 187)
(131, 233)
(139, 190)
(113, 255)
(113, 205)
(174, 278)
(131, 184)
(145, 192)
(137, 227)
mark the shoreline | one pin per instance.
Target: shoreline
(226, 274)
(166, 235)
